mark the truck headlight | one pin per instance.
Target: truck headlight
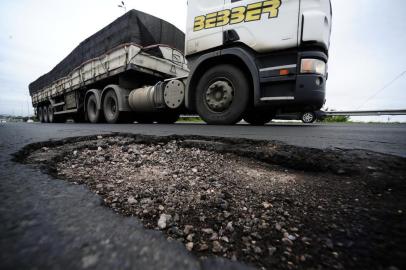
(313, 66)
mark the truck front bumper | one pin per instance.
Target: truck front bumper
(311, 90)
(299, 84)
(299, 92)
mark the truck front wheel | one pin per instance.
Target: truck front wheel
(222, 95)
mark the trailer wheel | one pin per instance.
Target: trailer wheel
(110, 108)
(45, 114)
(167, 118)
(222, 95)
(257, 118)
(50, 112)
(93, 114)
(40, 114)
(308, 117)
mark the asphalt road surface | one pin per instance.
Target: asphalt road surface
(47, 223)
(383, 138)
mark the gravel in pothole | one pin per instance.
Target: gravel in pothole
(232, 206)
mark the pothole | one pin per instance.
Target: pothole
(234, 199)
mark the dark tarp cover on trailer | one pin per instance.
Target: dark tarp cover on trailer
(133, 27)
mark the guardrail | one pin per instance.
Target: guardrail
(364, 113)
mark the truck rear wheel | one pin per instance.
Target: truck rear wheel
(110, 108)
(40, 114)
(93, 114)
(50, 112)
(257, 118)
(222, 95)
(45, 114)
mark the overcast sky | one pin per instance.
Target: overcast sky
(367, 47)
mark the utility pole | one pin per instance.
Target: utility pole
(28, 109)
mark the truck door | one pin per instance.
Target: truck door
(203, 31)
(264, 25)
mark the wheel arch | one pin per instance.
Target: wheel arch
(122, 96)
(237, 56)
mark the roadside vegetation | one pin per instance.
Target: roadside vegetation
(335, 119)
(9, 118)
(190, 120)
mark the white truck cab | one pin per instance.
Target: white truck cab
(263, 26)
(280, 46)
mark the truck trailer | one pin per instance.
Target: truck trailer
(239, 59)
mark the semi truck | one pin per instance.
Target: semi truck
(239, 59)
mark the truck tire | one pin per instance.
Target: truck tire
(45, 114)
(93, 114)
(51, 116)
(257, 118)
(111, 111)
(308, 117)
(40, 114)
(222, 95)
(167, 118)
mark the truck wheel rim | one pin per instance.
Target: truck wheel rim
(307, 117)
(219, 95)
